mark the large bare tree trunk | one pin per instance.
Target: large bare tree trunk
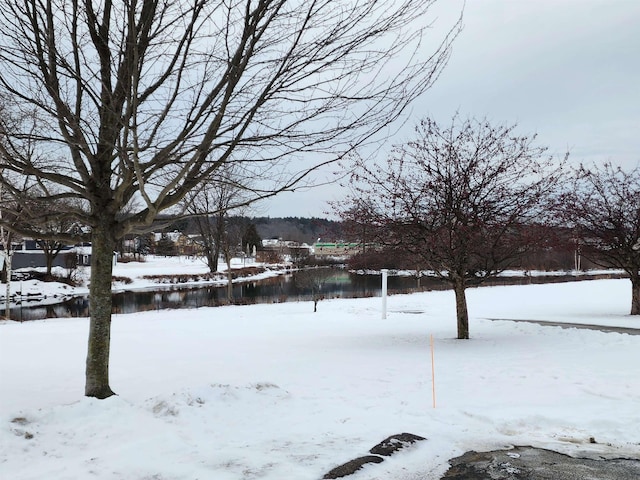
(97, 372)
(461, 309)
(635, 295)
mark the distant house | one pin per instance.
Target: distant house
(30, 244)
(284, 248)
(184, 244)
(31, 255)
(83, 254)
(336, 249)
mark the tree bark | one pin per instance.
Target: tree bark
(227, 258)
(49, 261)
(218, 238)
(97, 371)
(461, 308)
(211, 255)
(635, 295)
(213, 266)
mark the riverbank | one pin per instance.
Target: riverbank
(161, 273)
(153, 272)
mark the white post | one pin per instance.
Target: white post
(384, 293)
(433, 375)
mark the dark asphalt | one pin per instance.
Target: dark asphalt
(528, 463)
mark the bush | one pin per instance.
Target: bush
(125, 280)
(43, 277)
(392, 259)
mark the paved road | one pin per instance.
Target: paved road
(601, 328)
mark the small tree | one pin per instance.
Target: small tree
(143, 245)
(11, 213)
(251, 240)
(313, 280)
(466, 200)
(50, 232)
(71, 265)
(209, 205)
(165, 246)
(50, 249)
(603, 206)
(230, 245)
(299, 255)
(357, 225)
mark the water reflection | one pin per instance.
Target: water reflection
(333, 283)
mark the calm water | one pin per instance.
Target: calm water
(332, 283)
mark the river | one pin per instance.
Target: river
(297, 286)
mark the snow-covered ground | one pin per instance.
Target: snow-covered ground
(277, 392)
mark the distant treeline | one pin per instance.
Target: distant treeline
(297, 229)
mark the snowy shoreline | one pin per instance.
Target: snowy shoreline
(37, 292)
(140, 275)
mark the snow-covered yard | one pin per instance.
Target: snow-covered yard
(278, 392)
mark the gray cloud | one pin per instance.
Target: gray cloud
(568, 70)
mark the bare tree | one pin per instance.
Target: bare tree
(12, 213)
(143, 100)
(231, 244)
(51, 230)
(357, 225)
(210, 205)
(313, 280)
(251, 240)
(603, 207)
(50, 249)
(299, 255)
(467, 200)
(7, 237)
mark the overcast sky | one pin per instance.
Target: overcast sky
(568, 70)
